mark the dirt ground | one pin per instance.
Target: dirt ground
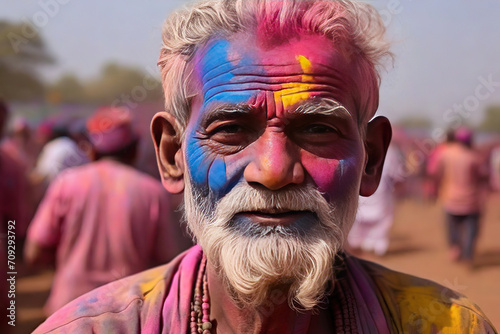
(417, 247)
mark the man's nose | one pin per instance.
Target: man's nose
(276, 163)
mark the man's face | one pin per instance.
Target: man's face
(274, 117)
(273, 160)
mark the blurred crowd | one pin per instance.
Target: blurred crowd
(457, 171)
(82, 202)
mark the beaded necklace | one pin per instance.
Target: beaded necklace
(200, 307)
(342, 302)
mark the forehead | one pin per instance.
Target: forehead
(243, 70)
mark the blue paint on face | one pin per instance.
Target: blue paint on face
(342, 166)
(217, 175)
(195, 157)
(215, 71)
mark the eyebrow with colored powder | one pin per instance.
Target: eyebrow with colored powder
(325, 107)
(224, 112)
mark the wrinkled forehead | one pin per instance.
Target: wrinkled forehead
(302, 67)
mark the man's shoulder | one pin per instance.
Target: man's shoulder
(122, 306)
(413, 301)
(399, 282)
(112, 303)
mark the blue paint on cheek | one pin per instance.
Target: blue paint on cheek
(217, 178)
(342, 166)
(205, 172)
(195, 158)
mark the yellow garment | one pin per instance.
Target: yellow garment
(415, 305)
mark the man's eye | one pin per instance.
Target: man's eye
(315, 134)
(230, 134)
(318, 129)
(228, 129)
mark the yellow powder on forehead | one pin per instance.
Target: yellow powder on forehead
(296, 91)
(305, 64)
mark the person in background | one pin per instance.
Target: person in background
(19, 143)
(103, 220)
(15, 188)
(375, 216)
(58, 153)
(431, 168)
(269, 131)
(461, 182)
(13, 184)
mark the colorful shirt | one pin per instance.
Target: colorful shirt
(461, 191)
(107, 221)
(158, 301)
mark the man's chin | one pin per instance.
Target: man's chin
(256, 267)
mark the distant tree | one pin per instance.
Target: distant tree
(22, 51)
(120, 84)
(415, 122)
(68, 89)
(491, 121)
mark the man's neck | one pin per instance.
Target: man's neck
(275, 316)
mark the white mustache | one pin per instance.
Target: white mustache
(245, 198)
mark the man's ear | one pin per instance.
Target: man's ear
(166, 136)
(378, 137)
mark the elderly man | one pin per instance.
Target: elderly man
(266, 131)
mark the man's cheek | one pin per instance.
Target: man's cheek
(207, 172)
(217, 179)
(212, 172)
(332, 177)
(197, 161)
(322, 172)
(233, 172)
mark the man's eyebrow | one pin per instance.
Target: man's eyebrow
(224, 112)
(324, 107)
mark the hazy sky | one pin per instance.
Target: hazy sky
(447, 52)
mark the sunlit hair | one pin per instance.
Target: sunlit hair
(257, 261)
(355, 28)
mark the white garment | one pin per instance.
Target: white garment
(375, 216)
(57, 155)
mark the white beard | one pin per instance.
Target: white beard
(254, 260)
